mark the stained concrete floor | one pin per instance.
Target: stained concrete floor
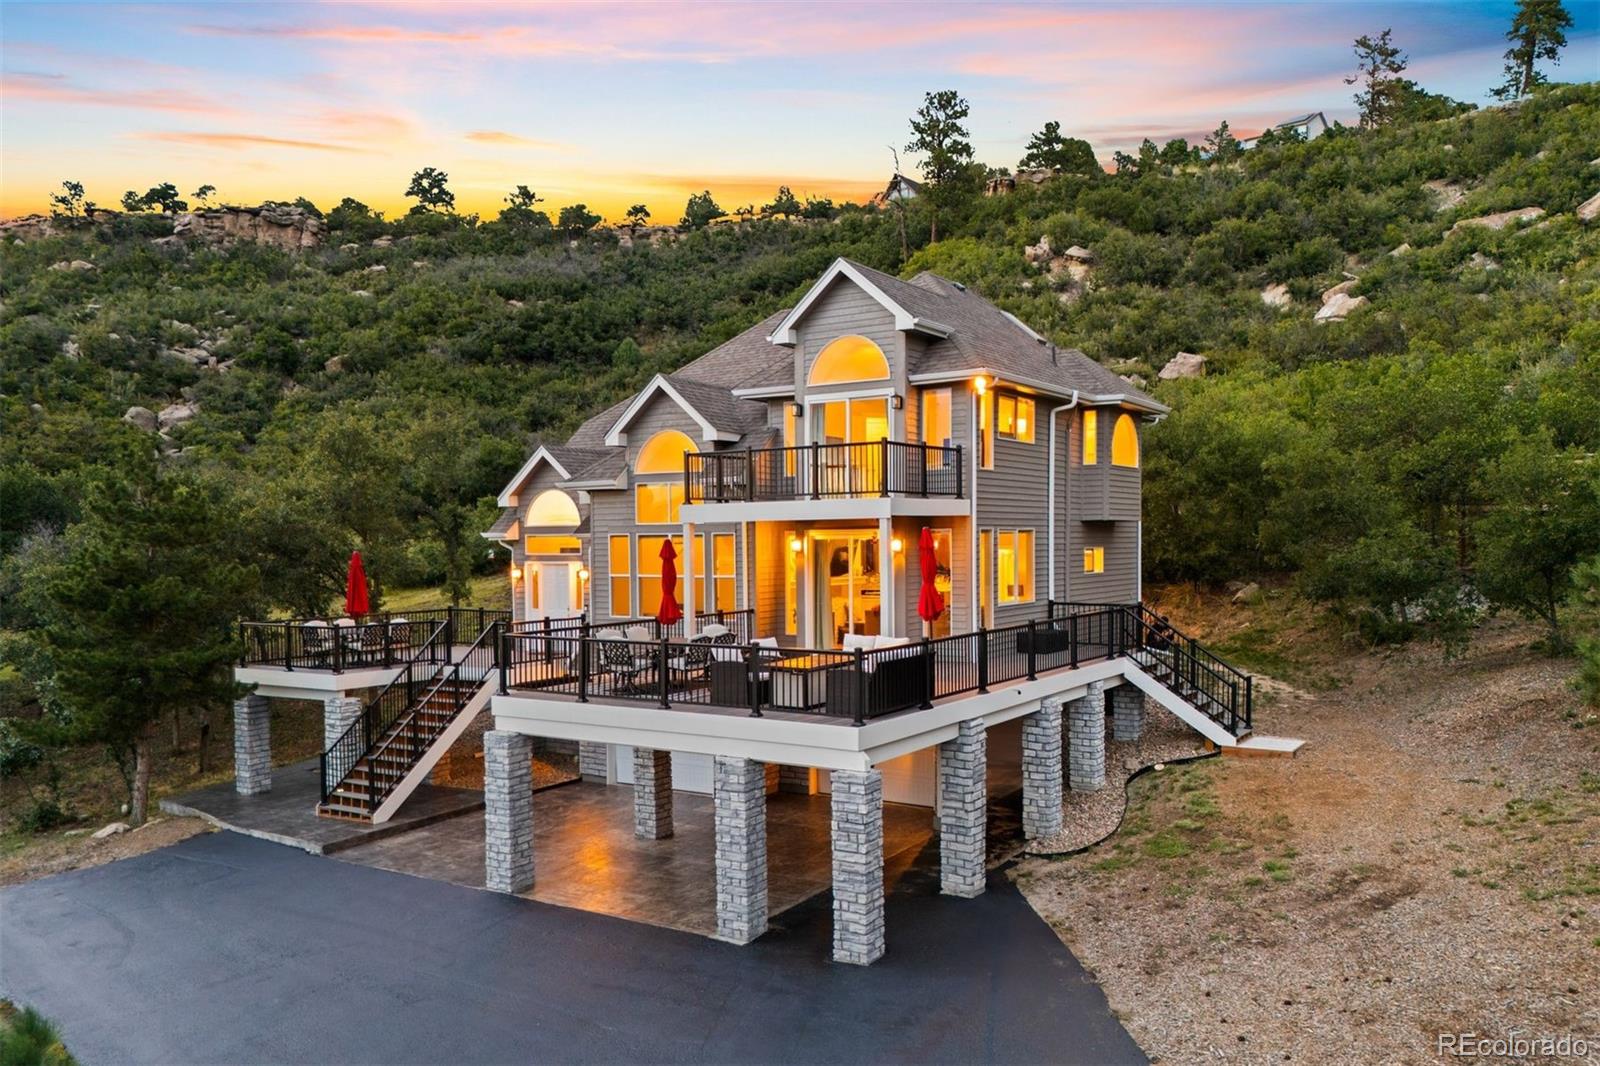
(586, 856)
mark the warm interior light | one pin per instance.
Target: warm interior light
(796, 544)
(897, 545)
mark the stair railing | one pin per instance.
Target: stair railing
(1211, 684)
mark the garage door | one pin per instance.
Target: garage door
(690, 772)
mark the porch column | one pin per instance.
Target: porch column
(1127, 712)
(688, 579)
(1086, 758)
(507, 811)
(338, 714)
(858, 866)
(963, 810)
(739, 803)
(592, 761)
(1041, 770)
(652, 794)
(252, 745)
(888, 613)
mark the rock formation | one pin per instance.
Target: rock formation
(280, 225)
(1498, 220)
(1183, 365)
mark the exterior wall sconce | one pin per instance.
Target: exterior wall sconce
(897, 545)
(583, 573)
(897, 401)
(980, 384)
(796, 544)
(797, 408)
(516, 573)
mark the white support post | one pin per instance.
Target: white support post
(889, 612)
(688, 580)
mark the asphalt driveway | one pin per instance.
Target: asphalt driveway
(228, 949)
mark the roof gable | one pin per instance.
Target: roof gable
(905, 317)
(679, 393)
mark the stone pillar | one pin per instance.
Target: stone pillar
(507, 811)
(652, 794)
(739, 799)
(963, 810)
(1127, 712)
(1041, 770)
(338, 714)
(1086, 737)
(592, 761)
(794, 779)
(858, 866)
(252, 745)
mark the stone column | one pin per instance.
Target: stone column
(338, 714)
(739, 798)
(1086, 757)
(858, 866)
(1041, 770)
(963, 810)
(652, 794)
(592, 761)
(1127, 712)
(794, 779)
(252, 745)
(507, 811)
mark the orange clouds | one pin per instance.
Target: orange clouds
(513, 140)
(206, 139)
(55, 88)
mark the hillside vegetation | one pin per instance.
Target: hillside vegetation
(1427, 456)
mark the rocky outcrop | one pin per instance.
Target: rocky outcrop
(175, 414)
(1183, 365)
(1589, 210)
(1446, 194)
(1498, 221)
(1277, 295)
(75, 265)
(280, 225)
(1335, 309)
(27, 228)
(1340, 289)
(1002, 184)
(141, 418)
(1076, 263)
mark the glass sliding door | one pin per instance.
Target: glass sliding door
(847, 586)
(851, 463)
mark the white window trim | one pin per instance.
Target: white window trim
(1033, 585)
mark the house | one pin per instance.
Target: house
(899, 190)
(1308, 126)
(902, 523)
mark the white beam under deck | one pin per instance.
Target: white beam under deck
(310, 684)
(784, 738)
(866, 508)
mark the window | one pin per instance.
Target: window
(1014, 565)
(663, 453)
(935, 423)
(552, 507)
(791, 436)
(1124, 442)
(649, 571)
(1094, 560)
(534, 544)
(1014, 418)
(943, 539)
(791, 581)
(535, 579)
(724, 563)
(849, 359)
(1091, 438)
(620, 569)
(985, 568)
(656, 503)
(986, 430)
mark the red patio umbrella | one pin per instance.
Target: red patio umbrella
(930, 605)
(669, 611)
(355, 588)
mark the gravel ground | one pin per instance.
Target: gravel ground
(1430, 864)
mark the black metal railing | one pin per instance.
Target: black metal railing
(824, 471)
(379, 639)
(1209, 683)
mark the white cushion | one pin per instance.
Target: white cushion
(766, 642)
(892, 642)
(344, 621)
(852, 641)
(639, 633)
(715, 629)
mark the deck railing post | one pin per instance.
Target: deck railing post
(661, 672)
(583, 663)
(883, 474)
(338, 649)
(861, 687)
(1033, 650)
(752, 675)
(961, 474)
(288, 655)
(930, 675)
(1249, 700)
(983, 659)
(503, 654)
(1072, 639)
(749, 474)
(816, 471)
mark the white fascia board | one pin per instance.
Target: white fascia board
(943, 377)
(279, 683)
(903, 320)
(508, 495)
(807, 510)
(766, 392)
(659, 383)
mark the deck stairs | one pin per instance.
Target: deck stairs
(1206, 692)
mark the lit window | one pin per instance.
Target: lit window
(724, 564)
(1094, 560)
(1014, 565)
(935, 422)
(535, 579)
(620, 568)
(552, 508)
(1014, 418)
(791, 580)
(656, 503)
(849, 359)
(791, 437)
(1091, 438)
(986, 430)
(650, 573)
(1124, 442)
(547, 545)
(663, 453)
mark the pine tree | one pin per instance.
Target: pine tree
(1535, 34)
(939, 136)
(1381, 62)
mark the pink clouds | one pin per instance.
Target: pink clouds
(213, 139)
(57, 89)
(511, 140)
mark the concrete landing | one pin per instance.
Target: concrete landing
(1256, 745)
(288, 814)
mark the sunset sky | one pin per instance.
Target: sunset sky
(613, 104)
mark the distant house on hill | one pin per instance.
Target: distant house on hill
(1309, 126)
(899, 189)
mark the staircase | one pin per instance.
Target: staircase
(403, 732)
(1189, 679)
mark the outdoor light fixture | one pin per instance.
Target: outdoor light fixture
(796, 544)
(980, 384)
(583, 573)
(897, 545)
(898, 402)
(516, 573)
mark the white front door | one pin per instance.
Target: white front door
(549, 590)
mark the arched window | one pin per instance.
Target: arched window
(552, 508)
(1124, 442)
(849, 359)
(663, 453)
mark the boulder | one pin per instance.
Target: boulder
(175, 414)
(1038, 254)
(1248, 594)
(109, 830)
(1136, 380)
(351, 247)
(1340, 289)
(141, 418)
(383, 242)
(1183, 365)
(377, 268)
(1589, 210)
(1479, 261)
(70, 349)
(334, 365)
(1497, 221)
(1337, 308)
(1276, 295)
(280, 225)
(1446, 194)
(77, 265)
(1079, 253)
(363, 293)
(28, 228)
(1403, 249)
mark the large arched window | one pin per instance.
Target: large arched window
(849, 359)
(1124, 442)
(552, 508)
(663, 453)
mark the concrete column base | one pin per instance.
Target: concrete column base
(858, 936)
(1127, 712)
(739, 796)
(252, 745)
(964, 810)
(652, 794)
(1086, 729)
(507, 811)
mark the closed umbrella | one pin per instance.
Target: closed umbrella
(355, 588)
(930, 605)
(669, 611)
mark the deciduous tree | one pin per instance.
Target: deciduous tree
(430, 188)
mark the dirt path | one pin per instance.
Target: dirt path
(1430, 865)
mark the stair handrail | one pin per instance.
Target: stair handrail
(368, 725)
(484, 653)
(1231, 694)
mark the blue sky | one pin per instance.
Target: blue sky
(614, 103)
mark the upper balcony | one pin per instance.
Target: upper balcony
(878, 470)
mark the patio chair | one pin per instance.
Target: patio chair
(693, 663)
(729, 672)
(316, 641)
(617, 658)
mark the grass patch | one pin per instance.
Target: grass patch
(1278, 870)
(1165, 845)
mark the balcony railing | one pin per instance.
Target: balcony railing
(380, 639)
(825, 472)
